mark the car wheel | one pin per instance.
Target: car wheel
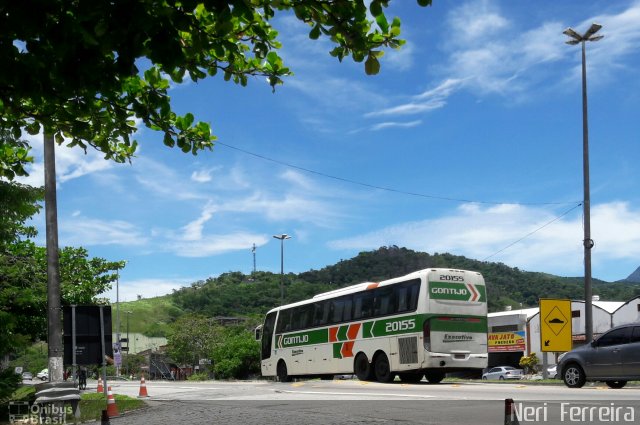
(616, 384)
(382, 369)
(501, 378)
(573, 376)
(283, 375)
(484, 378)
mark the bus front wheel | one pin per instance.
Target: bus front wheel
(383, 369)
(283, 375)
(362, 368)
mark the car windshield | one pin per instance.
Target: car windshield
(509, 368)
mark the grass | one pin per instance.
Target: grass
(149, 316)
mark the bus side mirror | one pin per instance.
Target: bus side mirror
(258, 333)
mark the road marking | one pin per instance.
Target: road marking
(359, 394)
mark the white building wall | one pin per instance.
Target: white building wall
(605, 316)
(628, 313)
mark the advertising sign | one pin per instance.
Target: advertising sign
(500, 342)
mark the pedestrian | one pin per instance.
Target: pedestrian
(83, 378)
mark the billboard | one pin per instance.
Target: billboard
(500, 342)
(88, 343)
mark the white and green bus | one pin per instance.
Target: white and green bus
(428, 323)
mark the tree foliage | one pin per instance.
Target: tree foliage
(86, 71)
(238, 356)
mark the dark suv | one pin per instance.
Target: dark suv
(613, 358)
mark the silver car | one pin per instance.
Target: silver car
(503, 372)
(613, 358)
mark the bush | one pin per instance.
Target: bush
(198, 377)
(238, 356)
(529, 363)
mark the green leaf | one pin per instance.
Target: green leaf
(372, 65)
(315, 32)
(424, 3)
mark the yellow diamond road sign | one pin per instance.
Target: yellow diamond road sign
(555, 325)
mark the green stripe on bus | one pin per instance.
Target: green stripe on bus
(337, 348)
(316, 336)
(459, 324)
(342, 333)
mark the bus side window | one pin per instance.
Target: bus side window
(363, 305)
(321, 313)
(384, 301)
(338, 307)
(284, 321)
(402, 297)
(415, 291)
(348, 307)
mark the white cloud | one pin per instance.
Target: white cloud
(146, 288)
(389, 124)
(84, 231)
(215, 244)
(71, 163)
(480, 232)
(201, 176)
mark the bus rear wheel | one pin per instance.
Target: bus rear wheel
(283, 375)
(362, 368)
(434, 376)
(383, 369)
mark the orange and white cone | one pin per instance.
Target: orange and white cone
(112, 408)
(100, 387)
(143, 389)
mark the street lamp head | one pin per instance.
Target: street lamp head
(574, 35)
(282, 236)
(588, 36)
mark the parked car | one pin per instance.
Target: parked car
(43, 375)
(502, 373)
(27, 376)
(613, 358)
(552, 371)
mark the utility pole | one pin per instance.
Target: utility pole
(54, 310)
(253, 250)
(587, 241)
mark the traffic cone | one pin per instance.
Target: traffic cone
(112, 408)
(510, 417)
(143, 389)
(100, 387)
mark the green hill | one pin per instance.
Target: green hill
(235, 294)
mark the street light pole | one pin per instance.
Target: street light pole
(282, 237)
(587, 242)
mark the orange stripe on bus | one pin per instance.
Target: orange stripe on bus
(373, 285)
(347, 349)
(333, 334)
(352, 333)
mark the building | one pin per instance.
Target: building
(516, 333)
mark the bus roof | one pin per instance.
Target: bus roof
(363, 286)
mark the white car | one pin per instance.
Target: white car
(43, 375)
(552, 371)
(502, 373)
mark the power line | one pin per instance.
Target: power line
(535, 231)
(388, 189)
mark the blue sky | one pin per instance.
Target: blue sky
(475, 125)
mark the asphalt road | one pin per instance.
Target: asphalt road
(355, 402)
